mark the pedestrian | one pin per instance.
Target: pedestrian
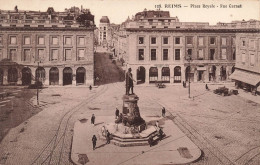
(163, 112)
(160, 134)
(150, 141)
(94, 141)
(117, 113)
(103, 131)
(183, 84)
(206, 86)
(108, 137)
(93, 119)
(90, 87)
(157, 124)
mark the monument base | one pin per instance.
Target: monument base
(125, 136)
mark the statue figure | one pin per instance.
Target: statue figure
(129, 82)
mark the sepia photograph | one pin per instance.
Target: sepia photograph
(130, 82)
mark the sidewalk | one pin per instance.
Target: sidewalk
(175, 148)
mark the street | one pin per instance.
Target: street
(226, 129)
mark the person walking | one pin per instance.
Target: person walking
(117, 113)
(108, 137)
(206, 86)
(163, 112)
(157, 124)
(93, 119)
(94, 141)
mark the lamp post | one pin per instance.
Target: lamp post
(37, 83)
(189, 60)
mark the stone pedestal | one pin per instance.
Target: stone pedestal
(131, 113)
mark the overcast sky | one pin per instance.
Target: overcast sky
(119, 10)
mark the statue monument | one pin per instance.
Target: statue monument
(131, 114)
(129, 129)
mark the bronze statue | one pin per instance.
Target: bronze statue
(129, 82)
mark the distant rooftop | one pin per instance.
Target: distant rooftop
(104, 19)
(73, 16)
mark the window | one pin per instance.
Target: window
(68, 41)
(27, 40)
(212, 40)
(224, 41)
(243, 41)
(141, 40)
(252, 44)
(141, 54)
(189, 40)
(153, 54)
(26, 55)
(177, 54)
(55, 41)
(153, 40)
(12, 55)
(189, 52)
(201, 55)
(243, 57)
(165, 54)
(67, 54)
(40, 55)
(201, 41)
(223, 54)
(177, 40)
(81, 41)
(212, 54)
(252, 59)
(1, 40)
(165, 40)
(105, 28)
(13, 40)
(104, 36)
(233, 41)
(40, 40)
(54, 54)
(81, 54)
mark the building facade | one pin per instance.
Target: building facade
(52, 47)
(104, 31)
(247, 73)
(160, 48)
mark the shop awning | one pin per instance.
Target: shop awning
(246, 77)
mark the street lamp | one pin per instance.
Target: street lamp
(37, 81)
(189, 60)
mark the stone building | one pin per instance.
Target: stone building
(104, 31)
(247, 72)
(161, 48)
(55, 48)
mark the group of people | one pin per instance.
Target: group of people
(105, 133)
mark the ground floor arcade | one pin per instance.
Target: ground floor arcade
(48, 75)
(179, 73)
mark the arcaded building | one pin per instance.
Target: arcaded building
(55, 48)
(161, 48)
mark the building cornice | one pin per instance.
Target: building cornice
(193, 30)
(45, 29)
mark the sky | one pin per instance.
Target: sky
(119, 10)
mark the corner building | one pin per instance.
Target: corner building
(160, 46)
(51, 47)
(247, 72)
